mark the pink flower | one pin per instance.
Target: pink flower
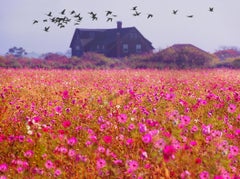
(65, 94)
(3, 167)
(147, 138)
(231, 108)
(122, 118)
(204, 175)
(71, 153)
(132, 166)
(198, 161)
(66, 123)
(233, 151)
(160, 144)
(101, 163)
(49, 164)
(101, 149)
(168, 152)
(57, 172)
(72, 141)
(129, 142)
(107, 139)
(58, 109)
(28, 154)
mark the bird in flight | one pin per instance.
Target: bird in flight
(108, 13)
(136, 13)
(109, 19)
(46, 28)
(211, 9)
(63, 11)
(72, 12)
(49, 14)
(45, 20)
(175, 12)
(134, 8)
(150, 16)
(35, 21)
(94, 15)
(190, 16)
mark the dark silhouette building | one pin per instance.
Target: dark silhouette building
(117, 42)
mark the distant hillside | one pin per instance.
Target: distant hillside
(185, 56)
(227, 53)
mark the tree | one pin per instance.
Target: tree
(17, 52)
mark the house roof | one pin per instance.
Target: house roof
(104, 36)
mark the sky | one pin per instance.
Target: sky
(207, 30)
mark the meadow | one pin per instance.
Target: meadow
(120, 124)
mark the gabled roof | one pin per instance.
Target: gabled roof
(105, 36)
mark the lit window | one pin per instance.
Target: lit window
(125, 48)
(77, 47)
(138, 48)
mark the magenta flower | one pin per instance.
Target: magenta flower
(101, 163)
(204, 175)
(58, 109)
(57, 172)
(233, 151)
(147, 138)
(132, 166)
(65, 94)
(71, 153)
(160, 144)
(3, 167)
(129, 142)
(231, 108)
(168, 152)
(48, 164)
(122, 118)
(28, 154)
(107, 139)
(66, 123)
(72, 141)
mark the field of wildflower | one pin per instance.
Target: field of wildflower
(120, 124)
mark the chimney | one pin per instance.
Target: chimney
(119, 24)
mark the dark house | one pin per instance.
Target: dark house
(117, 42)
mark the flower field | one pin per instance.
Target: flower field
(120, 124)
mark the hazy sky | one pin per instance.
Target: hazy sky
(206, 30)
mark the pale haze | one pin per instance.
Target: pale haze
(206, 30)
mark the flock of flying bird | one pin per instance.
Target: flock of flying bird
(62, 20)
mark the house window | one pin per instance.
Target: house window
(125, 48)
(77, 47)
(138, 48)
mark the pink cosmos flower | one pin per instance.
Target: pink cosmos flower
(233, 151)
(58, 109)
(3, 177)
(57, 172)
(71, 153)
(129, 142)
(168, 152)
(101, 163)
(204, 175)
(101, 149)
(147, 138)
(122, 118)
(66, 123)
(48, 164)
(28, 154)
(3, 167)
(160, 144)
(107, 139)
(132, 166)
(231, 108)
(65, 94)
(72, 141)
